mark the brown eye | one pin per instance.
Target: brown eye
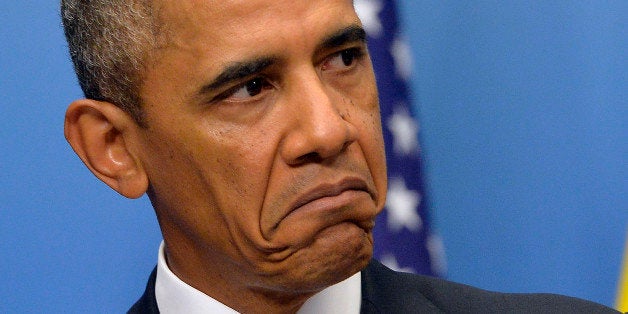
(249, 89)
(343, 59)
(348, 57)
(254, 86)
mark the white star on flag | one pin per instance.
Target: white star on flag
(436, 249)
(391, 262)
(402, 238)
(402, 54)
(404, 130)
(368, 12)
(401, 207)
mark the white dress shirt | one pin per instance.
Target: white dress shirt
(175, 296)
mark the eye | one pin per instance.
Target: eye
(343, 59)
(246, 90)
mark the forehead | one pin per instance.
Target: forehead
(222, 21)
(199, 38)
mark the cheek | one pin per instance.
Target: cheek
(372, 143)
(209, 184)
(238, 170)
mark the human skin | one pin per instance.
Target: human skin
(266, 181)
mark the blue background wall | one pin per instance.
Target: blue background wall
(523, 106)
(523, 123)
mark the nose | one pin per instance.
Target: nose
(318, 130)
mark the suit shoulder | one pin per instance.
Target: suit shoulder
(393, 289)
(147, 303)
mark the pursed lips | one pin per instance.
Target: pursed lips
(330, 190)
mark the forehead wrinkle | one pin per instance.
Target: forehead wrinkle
(225, 17)
(182, 21)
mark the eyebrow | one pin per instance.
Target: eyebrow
(239, 70)
(350, 34)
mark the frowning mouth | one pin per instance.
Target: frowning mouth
(345, 201)
(331, 196)
(330, 190)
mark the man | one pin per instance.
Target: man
(254, 128)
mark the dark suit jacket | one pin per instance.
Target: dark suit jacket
(387, 291)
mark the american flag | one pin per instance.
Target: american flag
(403, 238)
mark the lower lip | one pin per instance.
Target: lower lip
(332, 203)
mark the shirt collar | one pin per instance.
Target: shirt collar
(175, 296)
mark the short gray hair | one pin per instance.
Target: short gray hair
(110, 42)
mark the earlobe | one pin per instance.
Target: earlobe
(101, 134)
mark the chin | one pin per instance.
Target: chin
(336, 254)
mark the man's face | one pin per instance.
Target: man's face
(263, 148)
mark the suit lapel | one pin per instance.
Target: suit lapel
(386, 291)
(147, 304)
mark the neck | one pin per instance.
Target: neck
(225, 282)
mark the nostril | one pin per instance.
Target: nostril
(320, 156)
(312, 157)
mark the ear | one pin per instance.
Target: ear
(101, 134)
